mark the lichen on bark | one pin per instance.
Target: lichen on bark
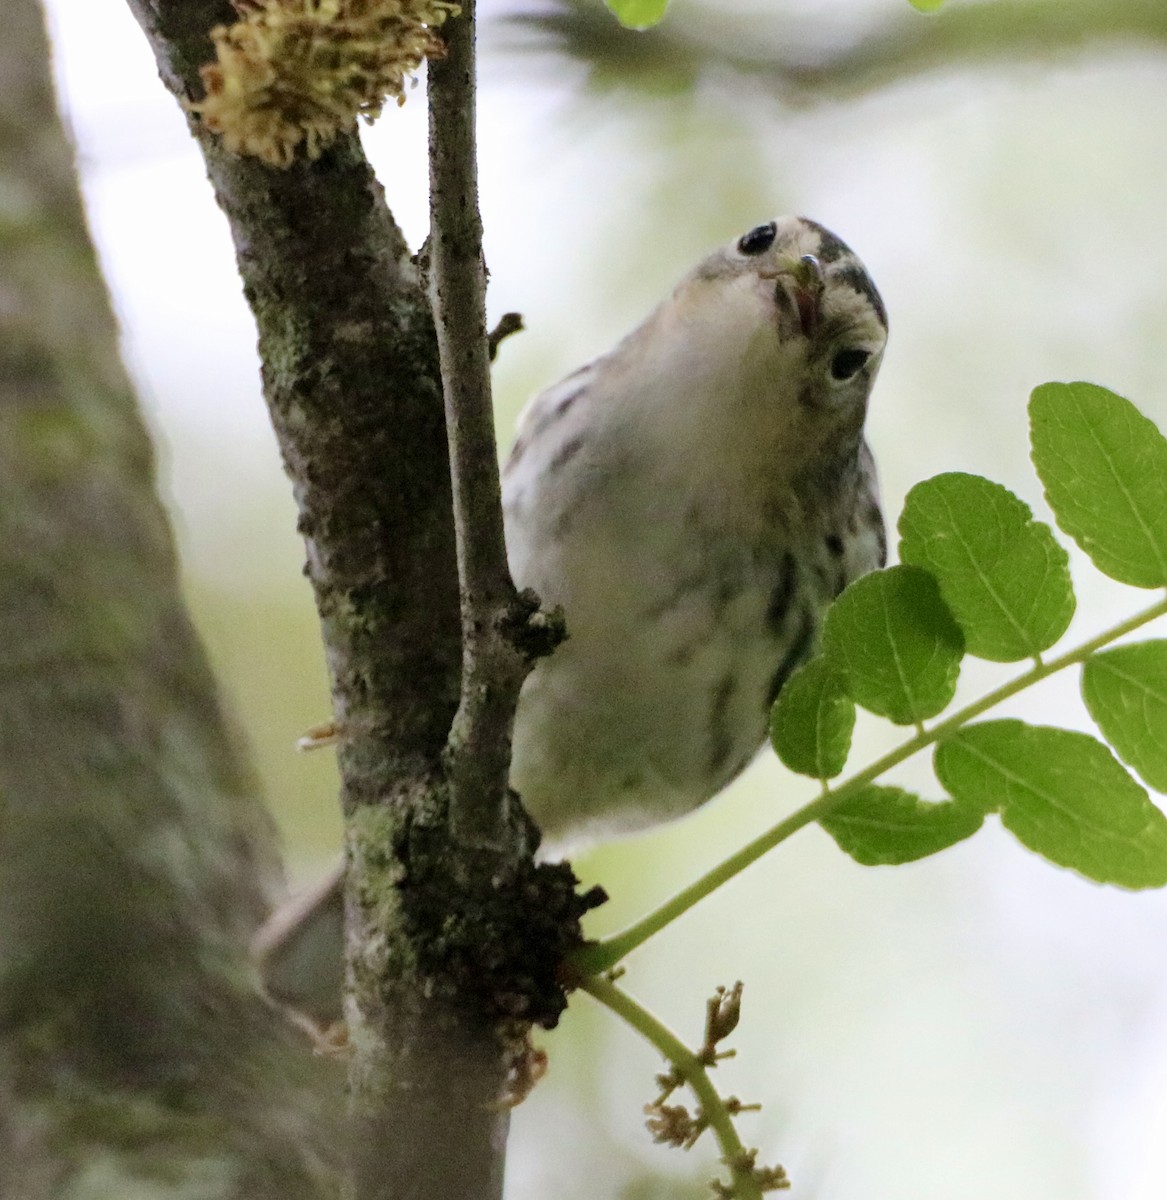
(290, 75)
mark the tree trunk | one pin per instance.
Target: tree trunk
(135, 857)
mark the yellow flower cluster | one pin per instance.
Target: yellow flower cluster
(292, 73)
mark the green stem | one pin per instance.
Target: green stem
(733, 1153)
(602, 956)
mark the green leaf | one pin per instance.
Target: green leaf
(638, 14)
(1062, 794)
(1001, 573)
(811, 723)
(1126, 692)
(926, 5)
(896, 643)
(1104, 467)
(883, 826)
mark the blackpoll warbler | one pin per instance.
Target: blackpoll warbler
(694, 499)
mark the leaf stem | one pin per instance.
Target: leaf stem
(602, 956)
(713, 1108)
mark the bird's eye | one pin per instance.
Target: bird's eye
(758, 240)
(848, 363)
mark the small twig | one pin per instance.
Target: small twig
(508, 323)
(493, 669)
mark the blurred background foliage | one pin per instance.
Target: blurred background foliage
(975, 1025)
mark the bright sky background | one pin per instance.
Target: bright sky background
(977, 1025)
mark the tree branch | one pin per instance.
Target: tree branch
(772, 55)
(352, 384)
(493, 669)
(508, 323)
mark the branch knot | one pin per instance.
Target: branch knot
(534, 632)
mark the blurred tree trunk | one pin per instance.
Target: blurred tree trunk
(135, 857)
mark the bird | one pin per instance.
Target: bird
(693, 500)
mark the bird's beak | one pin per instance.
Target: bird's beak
(807, 276)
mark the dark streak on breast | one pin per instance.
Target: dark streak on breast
(720, 740)
(874, 519)
(782, 595)
(518, 449)
(562, 405)
(795, 655)
(542, 422)
(563, 524)
(685, 587)
(729, 587)
(565, 453)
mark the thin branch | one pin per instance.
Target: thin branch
(508, 323)
(493, 669)
(783, 58)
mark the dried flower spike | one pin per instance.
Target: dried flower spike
(723, 1010)
(670, 1124)
(296, 73)
(772, 1179)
